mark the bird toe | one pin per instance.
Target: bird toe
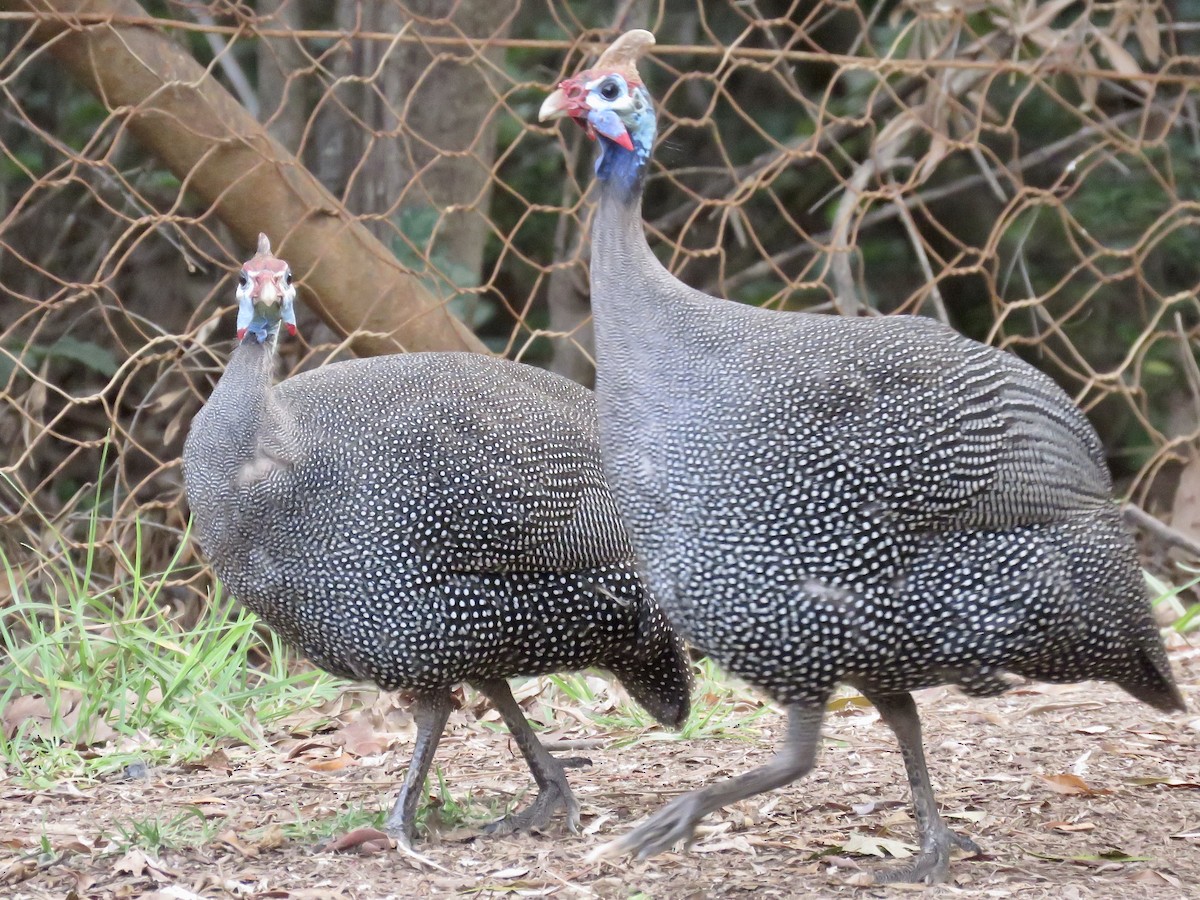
(540, 813)
(932, 865)
(674, 823)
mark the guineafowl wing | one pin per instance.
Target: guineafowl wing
(962, 435)
(899, 418)
(480, 464)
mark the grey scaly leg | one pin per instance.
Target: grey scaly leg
(677, 820)
(932, 865)
(430, 712)
(549, 773)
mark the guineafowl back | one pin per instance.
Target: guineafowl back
(424, 519)
(878, 500)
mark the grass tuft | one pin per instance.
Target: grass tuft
(1186, 618)
(95, 676)
(722, 707)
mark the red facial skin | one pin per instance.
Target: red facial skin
(575, 93)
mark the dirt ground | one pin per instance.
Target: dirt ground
(1072, 791)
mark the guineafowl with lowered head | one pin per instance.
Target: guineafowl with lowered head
(815, 499)
(421, 520)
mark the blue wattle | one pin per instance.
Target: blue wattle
(620, 167)
(262, 329)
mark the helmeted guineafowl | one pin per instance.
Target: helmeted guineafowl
(421, 520)
(815, 499)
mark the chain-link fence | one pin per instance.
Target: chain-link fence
(1029, 172)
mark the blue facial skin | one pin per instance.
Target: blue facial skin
(262, 321)
(617, 166)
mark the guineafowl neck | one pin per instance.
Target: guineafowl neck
(241, 401)
(630, 287)
(226, 435)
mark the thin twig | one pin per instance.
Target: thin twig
(1137, 517)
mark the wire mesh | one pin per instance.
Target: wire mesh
(1028, 172)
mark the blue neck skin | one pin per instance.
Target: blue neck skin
(261, 330)
(261, 322)
(622, 171)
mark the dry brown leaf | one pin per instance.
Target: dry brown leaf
(362, 737)
(1122, 60)
(333, 764)
(851, 704)
(132, 863)
(230, 839)
(271, 839)
(1147, 34)
(1165, 781)
(208, 800)
(1070, 784)
(18, 870)
(1150, 876)
(1070, 827)
(513, 872)
(366, 841)
(22, 709)
(738, 843)
(217, 760)
(304, 748)
(871, 845)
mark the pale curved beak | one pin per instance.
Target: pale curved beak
(268, 293)
(553, 107)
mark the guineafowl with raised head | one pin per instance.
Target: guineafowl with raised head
(816, 499)
(421, 520)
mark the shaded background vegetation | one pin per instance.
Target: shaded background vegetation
(1028, 172)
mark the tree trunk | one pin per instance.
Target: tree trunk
(423, 162)
(226, 159)
(284, 104)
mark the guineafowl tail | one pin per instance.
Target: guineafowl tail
(661, 684)
(658, 673)
(1156, 685)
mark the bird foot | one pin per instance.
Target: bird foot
(539, 813)
(673, 823)
(932, 865)
(554, 794)
(401, 829)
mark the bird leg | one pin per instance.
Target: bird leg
(550, 773)
(933, 864)
(430, 712)
(677, 820)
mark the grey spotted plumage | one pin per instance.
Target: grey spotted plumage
(421, 520)
(818, 500)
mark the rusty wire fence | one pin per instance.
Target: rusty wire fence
(1029, 172)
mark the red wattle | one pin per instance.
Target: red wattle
(241, 333)
(624, 140)
(291, 329)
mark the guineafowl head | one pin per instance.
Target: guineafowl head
(266, 295)
(613, 106)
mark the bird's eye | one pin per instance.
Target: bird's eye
(287, 277)
(243, 280)
(610, 90)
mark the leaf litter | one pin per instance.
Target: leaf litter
(1072, 791)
